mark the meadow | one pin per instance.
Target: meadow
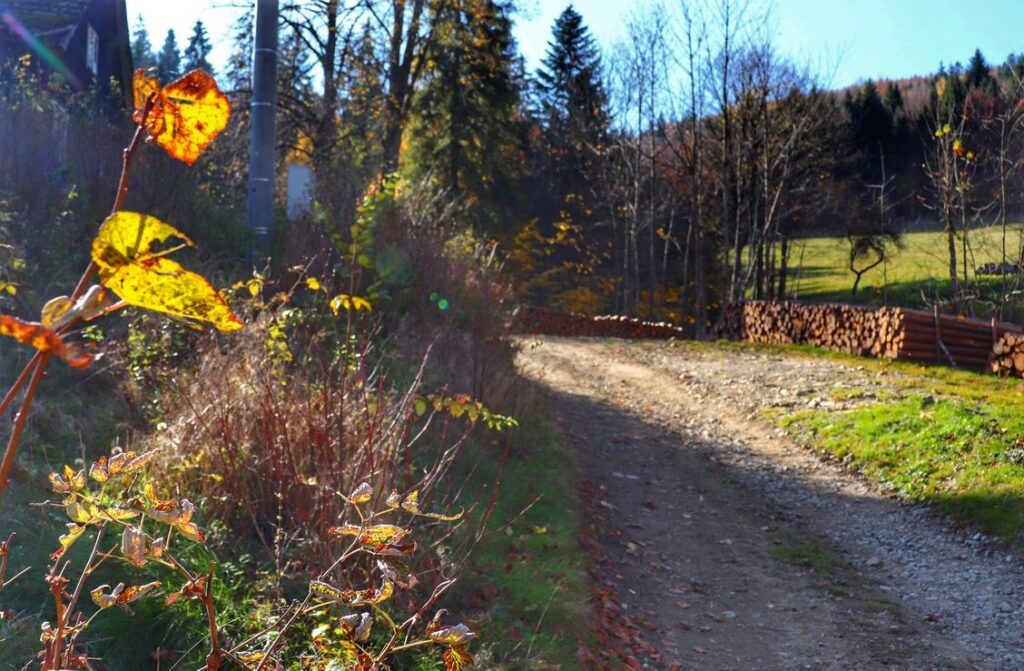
(915, 275)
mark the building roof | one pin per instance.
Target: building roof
(45, 15)
(57, 25)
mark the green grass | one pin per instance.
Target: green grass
(73, 415)
(532, 570)
(963, 455)
(807, 555)
(963, 451)
(820, 267)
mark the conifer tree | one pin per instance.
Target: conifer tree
(953, 93)
(979, 74)
(872, 122)
(198, 50)
(574, 118)
(467, 112)
(168, 61)
(893, 101)
(572, 94)
(142, 49)
(569, 176)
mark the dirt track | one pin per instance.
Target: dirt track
(729, 547)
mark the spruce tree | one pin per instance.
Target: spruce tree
(198, 49)
(872, 122)
(570, 162)
(572, 94)
(142, 49)
(954, 93)
(575, 121)
(893, 102)
(168, 61)
(468, 110)
(979, 74)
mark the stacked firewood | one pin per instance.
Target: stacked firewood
(832, 326)
(894, 333)
(1008, 355)
(543, 321)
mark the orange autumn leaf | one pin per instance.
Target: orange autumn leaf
(456, 659)
(45, 340)
(144, 86)
(186, 115)
(144, 277)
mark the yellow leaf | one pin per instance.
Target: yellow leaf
(361, 494)
(411, 504)
(361, 303)
(142, 87)
(355, 597)
(458, 635)
(98, 471)
(78, 512)
(313, 284)
(119, 514)
(54, 309)
(324, 589)
(377, 534)
(59, 484)
(340, 301)
(136, 592)
(103, 600)
(146, 278)
(187, 114)
(133, 546)
(75, 532)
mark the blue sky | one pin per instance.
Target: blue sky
(844, 40)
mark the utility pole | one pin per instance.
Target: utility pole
(260, 219)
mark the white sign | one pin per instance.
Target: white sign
(300, 190)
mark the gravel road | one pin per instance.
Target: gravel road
(735, 548)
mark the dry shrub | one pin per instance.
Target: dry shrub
(274, 428)
(304, 405)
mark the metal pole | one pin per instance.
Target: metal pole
(260, 218)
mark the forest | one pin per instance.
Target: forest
(339, 451)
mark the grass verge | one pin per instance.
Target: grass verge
(952, 438)
(529, 577)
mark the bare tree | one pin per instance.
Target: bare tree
(945, 165)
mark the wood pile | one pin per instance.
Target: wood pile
(1007, 358)
(543, 321)
(832, 326)
(893, 333)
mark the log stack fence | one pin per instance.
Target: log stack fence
(887, 332)
(883, 332)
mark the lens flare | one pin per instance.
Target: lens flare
(37, 47)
